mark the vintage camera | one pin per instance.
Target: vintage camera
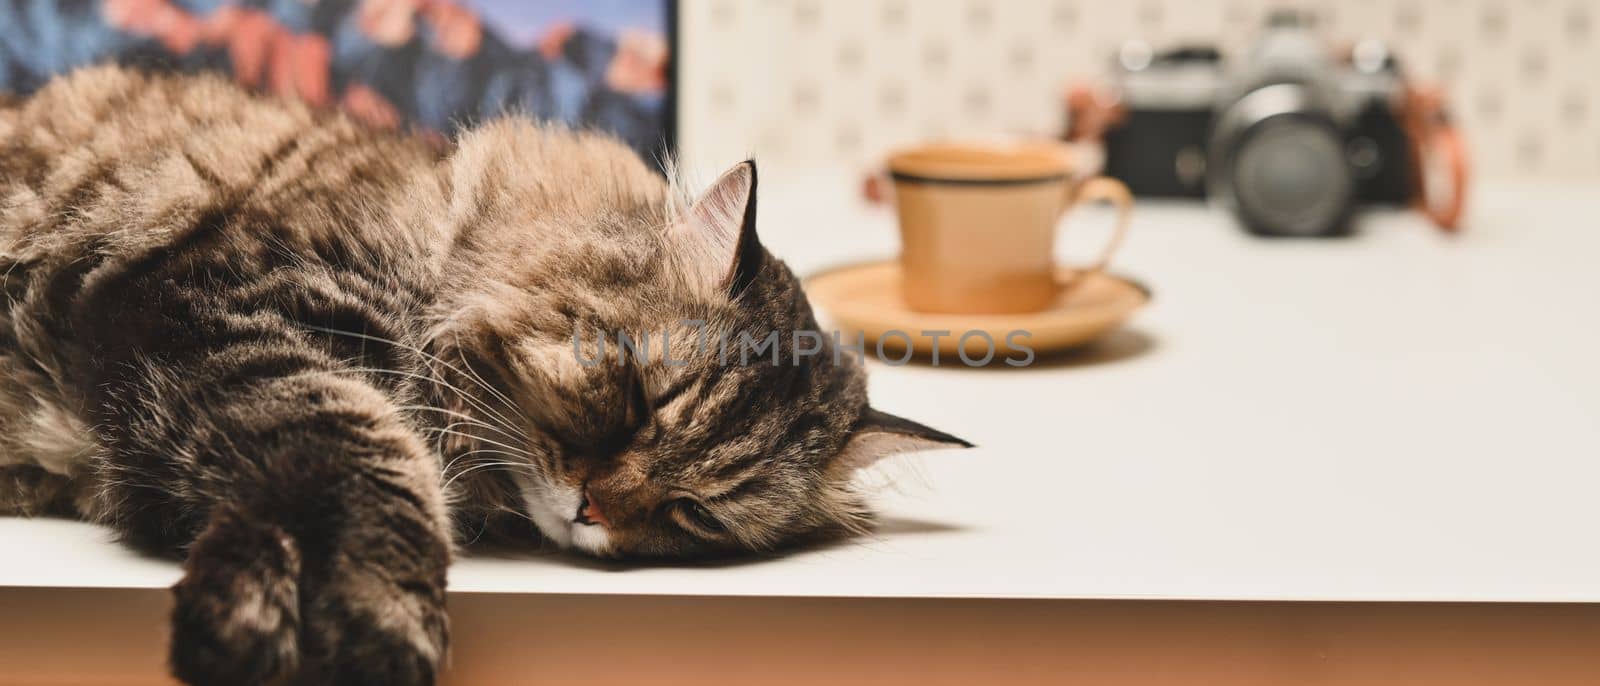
(1289, 137)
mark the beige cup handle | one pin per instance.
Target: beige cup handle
(1101, 188)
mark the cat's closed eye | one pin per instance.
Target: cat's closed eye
(696, 518)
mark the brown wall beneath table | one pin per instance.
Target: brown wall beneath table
(93, 637)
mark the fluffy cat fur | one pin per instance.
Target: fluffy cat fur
(313, 359)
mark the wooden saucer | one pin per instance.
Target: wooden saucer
(866, 297)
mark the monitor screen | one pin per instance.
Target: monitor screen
(433, 66)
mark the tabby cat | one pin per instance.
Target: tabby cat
(314, 359)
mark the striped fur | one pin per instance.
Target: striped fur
(312, 359)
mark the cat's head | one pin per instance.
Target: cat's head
(698, 443)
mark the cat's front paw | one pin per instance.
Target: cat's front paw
(235, 620)
(364, 629)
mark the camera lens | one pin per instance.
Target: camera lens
(1279, 161)
(1290, 177)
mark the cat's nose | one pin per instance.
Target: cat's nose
(589, 512)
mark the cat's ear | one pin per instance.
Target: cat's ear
(716, 237)
(879, 434)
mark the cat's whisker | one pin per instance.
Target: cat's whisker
(448, 429)
(476, 451)
(473, 464)
(443, 383)
(453, 425)
(461, 355)
(431, 358)
(427, 356)
(478, 468)
(521, 466)
(458, 458)
(463, 434)
(502, 421)
(444, 411)
(466, 419)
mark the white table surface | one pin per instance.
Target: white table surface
(1401, 416)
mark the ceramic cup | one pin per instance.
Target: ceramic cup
(978, 224)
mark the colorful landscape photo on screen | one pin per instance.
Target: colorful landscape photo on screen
(434, 66)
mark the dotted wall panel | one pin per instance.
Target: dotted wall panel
(838, 82)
